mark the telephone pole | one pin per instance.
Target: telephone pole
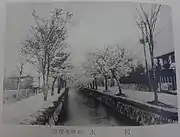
(143, 42)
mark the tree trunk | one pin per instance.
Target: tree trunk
(52, 90)
(154, 84)
(90, 85)
(44, 63)
(60, 85)
(65, 83)
(59, 89)
(106, 83)
(95, 82)
(45, 92)
(119, 86)
(44, 83)
(48, 69)
(18, 88)
(39, 81)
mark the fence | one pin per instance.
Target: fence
(11, 96)
(167, 81)
(165, 85)
(139, 87)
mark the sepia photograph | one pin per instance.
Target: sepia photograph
(89, 64)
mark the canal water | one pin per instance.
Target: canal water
(85, 111)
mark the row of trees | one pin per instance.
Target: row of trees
(45, 48)
(116, 62)
(111, 62)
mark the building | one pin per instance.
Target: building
(11, 83)
(166, 61)
(166, 71)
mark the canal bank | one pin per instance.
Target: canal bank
(86, 111)
(138, 112)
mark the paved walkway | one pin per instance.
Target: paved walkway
(16, 113)
(144, 96)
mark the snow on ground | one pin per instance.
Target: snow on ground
(16, 113)
(9, 96)
(144, 96)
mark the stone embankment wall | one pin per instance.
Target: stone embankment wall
(55, 114)
(141, 113)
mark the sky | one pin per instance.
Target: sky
(94, 24)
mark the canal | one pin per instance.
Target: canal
(85, 111)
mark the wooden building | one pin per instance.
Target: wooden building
(166, 71)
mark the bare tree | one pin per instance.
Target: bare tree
(146, 21)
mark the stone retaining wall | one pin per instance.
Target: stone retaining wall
(55, 114)
(140, 112)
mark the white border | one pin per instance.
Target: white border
(145, 131)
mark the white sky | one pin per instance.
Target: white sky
(95, 24)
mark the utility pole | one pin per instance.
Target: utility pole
(147, 70)
(143, 41)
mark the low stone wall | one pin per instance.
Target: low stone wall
(139, 112)
(55, 114)
(139, 87)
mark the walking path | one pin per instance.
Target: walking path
(143, 96)
(84, 112)
(27, 109)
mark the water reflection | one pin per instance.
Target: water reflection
(86, 111)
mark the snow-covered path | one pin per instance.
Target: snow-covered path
(85, 112)
(26, 109)
(144, 96)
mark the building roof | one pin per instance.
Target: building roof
(164, 55)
